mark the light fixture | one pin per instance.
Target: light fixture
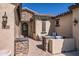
(75, 21)
(4, 20)
(57, 23)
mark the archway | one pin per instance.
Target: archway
(24, 29)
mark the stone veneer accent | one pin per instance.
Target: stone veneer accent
(21, 47)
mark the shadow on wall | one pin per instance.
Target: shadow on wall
(52, 27)
(68, 45)
(40, 46)
(38, 38)
(73, 53)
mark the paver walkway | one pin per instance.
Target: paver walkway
(35, 50)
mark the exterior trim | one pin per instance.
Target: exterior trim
(63, 14)
(74, 6)
(26, 10)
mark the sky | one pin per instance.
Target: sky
(48, 8)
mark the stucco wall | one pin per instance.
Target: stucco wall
(76, 27)
(49, 27)
(7, 35)
(17, 30)
(60, 45)
(65, 25)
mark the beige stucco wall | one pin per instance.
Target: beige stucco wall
(28, 16)
(49, 27)
(76, 27)
(7, 35)
(65, 25)
(18, 30)
(59, 45)
(39, 27)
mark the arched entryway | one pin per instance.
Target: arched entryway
(24, 29)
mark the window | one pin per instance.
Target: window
(43, 27)
(57, 23)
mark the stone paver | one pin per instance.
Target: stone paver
(22, 46)
(35, 49)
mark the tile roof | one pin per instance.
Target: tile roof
(62, 14)
(65, 13)
(29, 10)
(74, 6)
(48, 15)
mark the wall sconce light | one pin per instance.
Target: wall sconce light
(75, 21)
(4, 20)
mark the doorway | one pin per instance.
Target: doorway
(24, 29)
